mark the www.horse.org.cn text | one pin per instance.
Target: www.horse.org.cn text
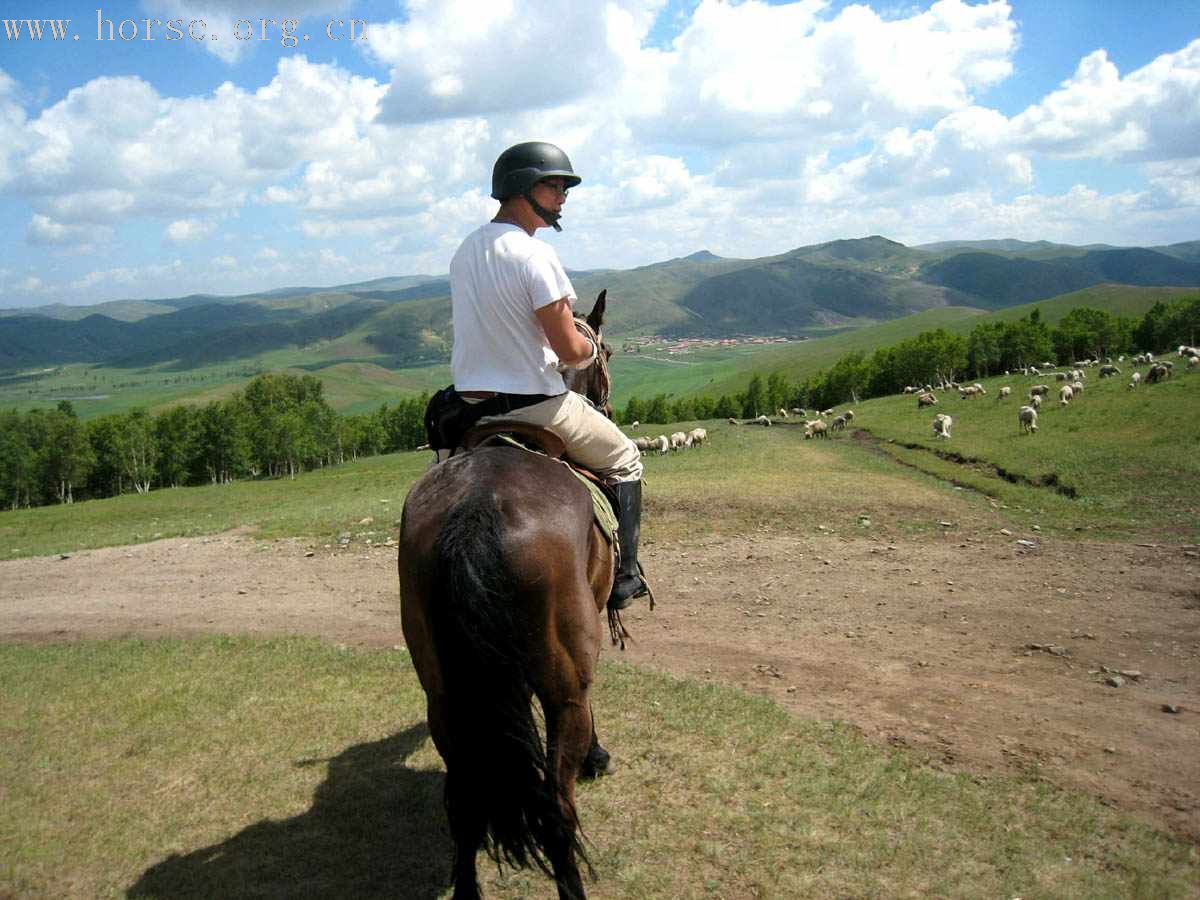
(153, 29)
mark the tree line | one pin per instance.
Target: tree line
(991, 348)
(278, 425)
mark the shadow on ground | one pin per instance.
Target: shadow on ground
(376, 829)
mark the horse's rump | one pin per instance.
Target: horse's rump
(499, 590)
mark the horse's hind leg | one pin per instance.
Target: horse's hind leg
(468, 827)
(597, 762)
(569, 737)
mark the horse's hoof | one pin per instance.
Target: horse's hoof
(598, 762)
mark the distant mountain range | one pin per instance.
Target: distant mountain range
(405, 320)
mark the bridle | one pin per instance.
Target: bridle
(601, 379)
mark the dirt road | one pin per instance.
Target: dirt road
(1062, 658)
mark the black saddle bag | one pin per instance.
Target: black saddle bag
(448, 416)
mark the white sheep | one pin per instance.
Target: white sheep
(1107, 370)
(926, 399)
(698, 436)
(762, 420)
(661, 444)
(1065, 394)
(783, 413)
(849, 414)
(1027, 417)
(1003, 392)
(642, 443)
(679, 441)
(941, 425)
(1036, 401)
(817, 429)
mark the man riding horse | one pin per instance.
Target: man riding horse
(515, 335)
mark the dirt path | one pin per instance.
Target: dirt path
(984, 655)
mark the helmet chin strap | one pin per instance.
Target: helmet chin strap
(550, 218)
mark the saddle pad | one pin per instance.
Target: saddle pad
(601, 506)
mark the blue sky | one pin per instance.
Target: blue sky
(150, 168)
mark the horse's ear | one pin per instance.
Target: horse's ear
(596, 317)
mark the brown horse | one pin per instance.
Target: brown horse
(503, 576)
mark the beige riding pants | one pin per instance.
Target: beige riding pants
(593, 440)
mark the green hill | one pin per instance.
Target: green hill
(404, 322)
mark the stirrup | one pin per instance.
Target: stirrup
(615, 603)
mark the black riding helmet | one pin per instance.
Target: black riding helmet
(522, 166)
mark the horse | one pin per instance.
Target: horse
(503, 576)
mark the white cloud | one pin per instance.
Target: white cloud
(461, 58)
(182, 230)
(750, 71)
(44, 230)
(1150, 114)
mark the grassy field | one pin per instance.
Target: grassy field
(322, 504)
(228, 767)
(758, 478)
(1115, 462)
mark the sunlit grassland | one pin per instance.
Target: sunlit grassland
(350, 387)
(96, 391)
(652, 372)
(227, 767)
(1114, 462)
(802, 359)
(746, 477)
(749, 478)
(322, 504)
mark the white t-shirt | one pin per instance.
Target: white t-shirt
(498, 278)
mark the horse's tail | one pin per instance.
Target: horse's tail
(498, 779)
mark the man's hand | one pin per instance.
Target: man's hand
(574, 350)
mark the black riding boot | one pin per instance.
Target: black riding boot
(628, 583)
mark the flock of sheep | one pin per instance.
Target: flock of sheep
(1070, 390)
(662, 444)
(813, 428)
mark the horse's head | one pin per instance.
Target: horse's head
(594, 382)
